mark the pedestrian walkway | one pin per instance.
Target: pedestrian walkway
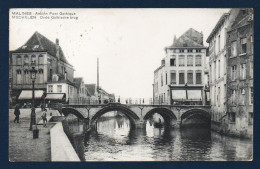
(22, 146)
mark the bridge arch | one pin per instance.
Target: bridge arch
(117, 107)
(202, 116)
(167, 114)
(66, 111)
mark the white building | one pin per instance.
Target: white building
(182, 74)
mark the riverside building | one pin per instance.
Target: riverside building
(182, 76)
(231, 73)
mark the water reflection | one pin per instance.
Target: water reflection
(115, 140)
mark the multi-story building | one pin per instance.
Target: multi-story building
(240, 84)
(231, 72)
(218, 68)
(48, 59)
(181, 77)
(82, 95)
(61, 90)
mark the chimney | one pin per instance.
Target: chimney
(174, 39)
(57, 41)
(65, 75)
(57, 49)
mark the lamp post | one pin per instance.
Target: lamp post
(33, 77)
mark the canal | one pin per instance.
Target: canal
(115, 140)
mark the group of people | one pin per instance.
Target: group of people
(17, 114)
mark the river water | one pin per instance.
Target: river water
(115, 140)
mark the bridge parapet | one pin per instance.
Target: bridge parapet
(138, 112)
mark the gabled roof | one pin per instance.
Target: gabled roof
(219, 23)
(91, 88)
(243, 19)
(62, 81)
(38, 43)
(78, 81)
(191, 38)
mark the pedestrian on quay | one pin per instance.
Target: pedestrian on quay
(44, 118)
(118, 99)
(16, 113)
(42, 107)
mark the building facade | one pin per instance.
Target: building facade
(227, 72)
(48, 58)
(181, 78)
(240, 70)
(82, 95)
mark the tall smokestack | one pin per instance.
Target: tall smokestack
(97, 75)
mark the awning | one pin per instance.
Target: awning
(27, 94)
(194, 94)
(178, 94)
(54, 96)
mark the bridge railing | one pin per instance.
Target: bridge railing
(130, 101)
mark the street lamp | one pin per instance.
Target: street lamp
(33, 77)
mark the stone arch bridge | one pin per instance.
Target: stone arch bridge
(173, 115)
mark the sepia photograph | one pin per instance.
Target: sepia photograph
(131, 84)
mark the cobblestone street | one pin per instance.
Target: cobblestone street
(22, 146)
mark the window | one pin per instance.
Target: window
(19, 72)
(198, 78)
(190, 78)
(181, 50)
(59, 88)
(233, 95)
(50, 88)
(190, 61)
(242, 96)
(198, 50)
(251, 95)
(243, 71)
(33, 59)
(40, 71)
(173, 61)
(41, 61)
(19, 60)
(218, 43)
(250, 118)
(161, 80)
(233, 49)
(232, 117)
(198, 61)
(173, 78)
(218, 97)
(233, 72)
(181, 60)
(189, 50)
(166, 78)
(181, 78)
(27, 78)
(243, 46)
(19, 77)
(26, 60)
(210, 71)
(251, 69)
(218, 68)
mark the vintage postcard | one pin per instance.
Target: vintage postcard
(131, 84)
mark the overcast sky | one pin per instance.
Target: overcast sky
(128, 42)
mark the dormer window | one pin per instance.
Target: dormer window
(36, 46)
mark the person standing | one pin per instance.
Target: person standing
(16, 113)
(44, 118)
(118, 99)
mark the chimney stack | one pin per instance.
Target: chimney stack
(57, 41)
(174, 39)
(57, 49)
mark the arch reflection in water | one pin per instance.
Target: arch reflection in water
(115, 140)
